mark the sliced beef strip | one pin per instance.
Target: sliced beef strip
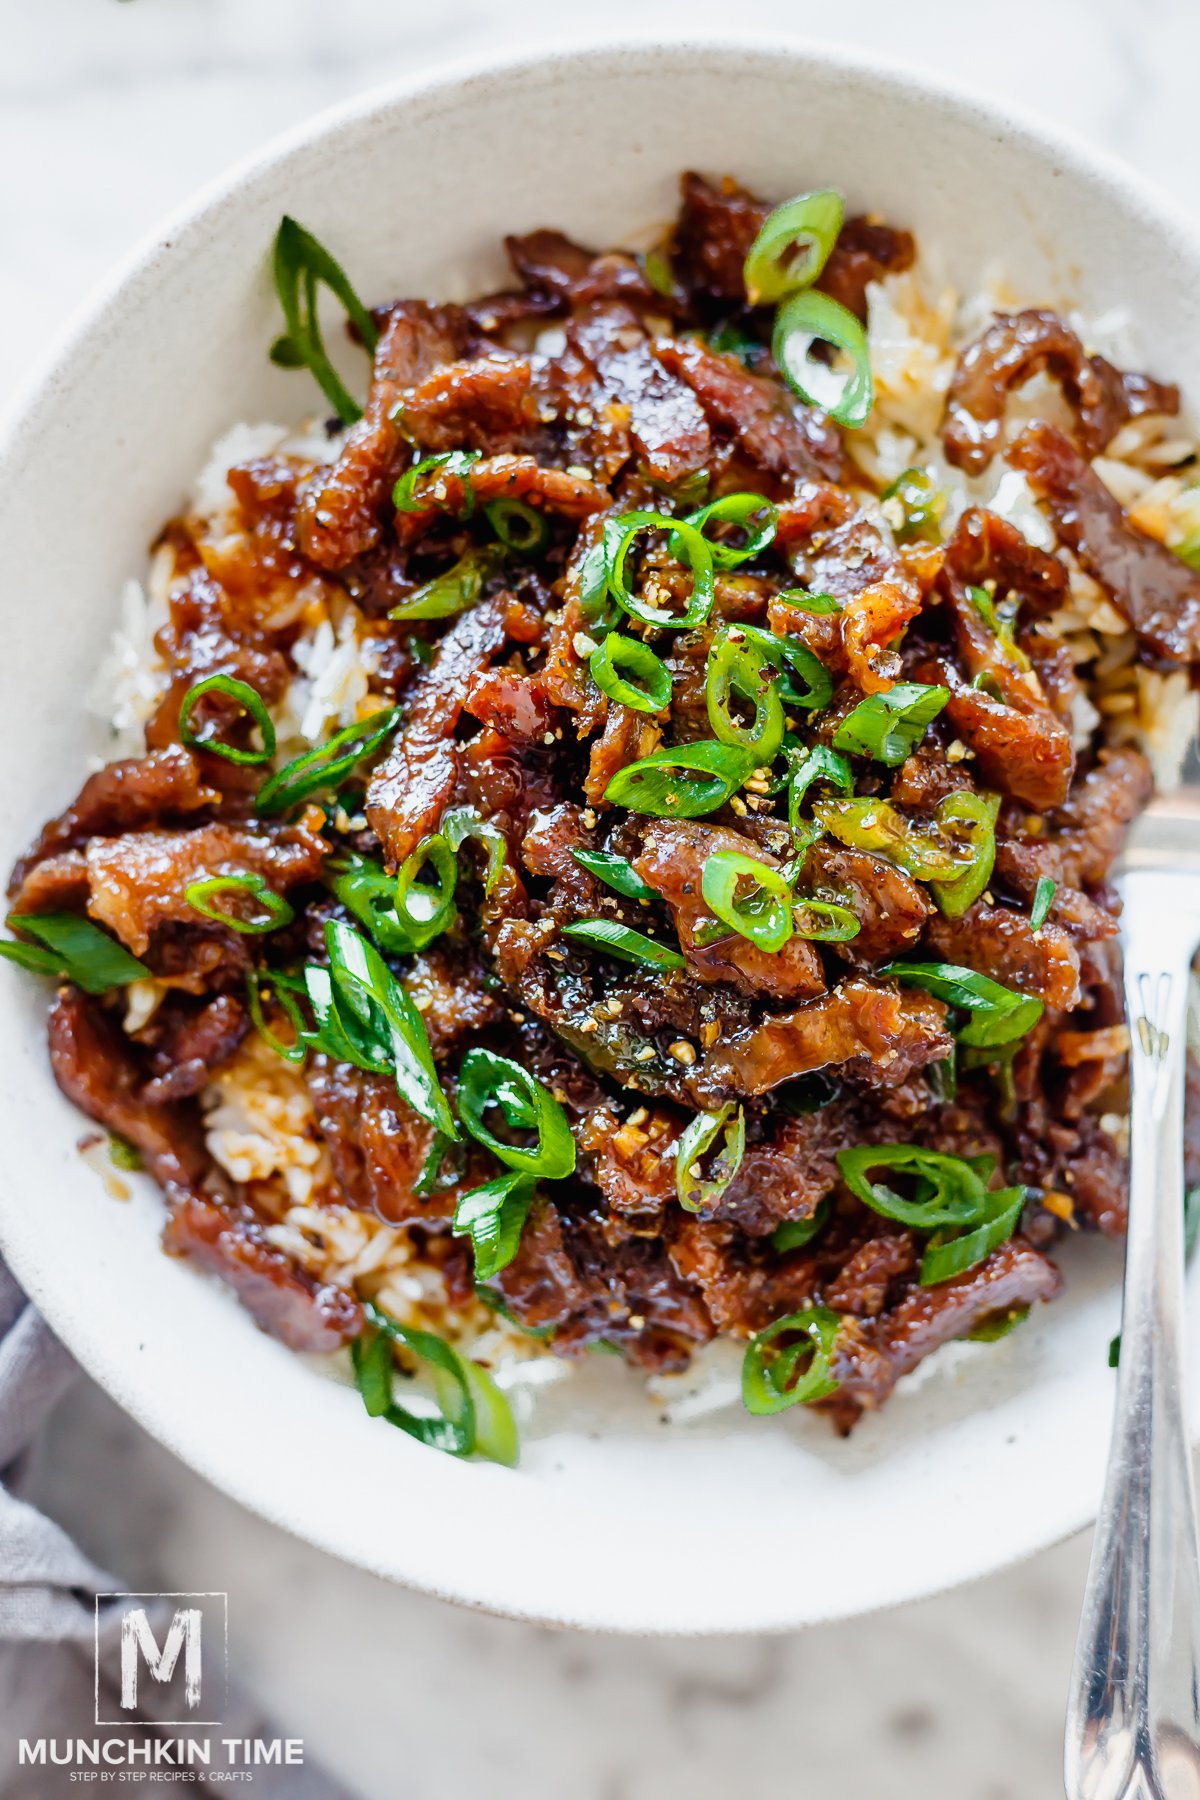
(97, 1069)
(1149, 585)
(229, 1240)
(890, 906)
(672, 859)
(635, 1297)
(484, 404)
(122, 796)
(666, 423)
(188, 1043)
(204, 635)
(1003, 944)
(138, 883)
(880, 1033)
(377, 1144)
(868, 1368)
(342, 509)
(787, 441)
(1016, 346)
(411, 787)
(866, 250)
(1077, 844)
(551, 265)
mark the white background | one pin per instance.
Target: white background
(110, 114)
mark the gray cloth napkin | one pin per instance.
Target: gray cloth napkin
(47, 1603)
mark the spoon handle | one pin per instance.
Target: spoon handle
(1133, 1720)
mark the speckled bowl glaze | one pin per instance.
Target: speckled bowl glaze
(612, 1520)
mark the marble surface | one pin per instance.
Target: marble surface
(111, 113)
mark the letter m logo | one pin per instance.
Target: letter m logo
(138, 1645)
(166, 1659)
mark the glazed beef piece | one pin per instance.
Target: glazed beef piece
(604, 384)
(1156, 591)
(1016, 346)
(229, 1241)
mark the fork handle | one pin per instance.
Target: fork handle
(1133, 1721)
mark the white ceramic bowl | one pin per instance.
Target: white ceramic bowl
(611, 1521)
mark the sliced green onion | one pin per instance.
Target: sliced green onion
(456, 590)
(812, 318)
(737, 665)
(887, 726)
(818, 764)
(518, 526)
(426, 910)
(463, 822)
(248, 699)
(375, 998)
(793, 246)
(732, 338)
(697, 1191)
(1043, 900)
(792, 659)
(774, 1379)
(74, 947)
(657, 271)
(949, 1189)
(624, 943)
(256, 981)
(793, 1234)
(922, 851)
(200, 896)
(756, 516)
(999, 1015)
(819, 605)
(124, 1155)
(485, 1081)
(475, 1416)
(325, 766)
(978, 813)
(368, 893)
(616, 872)
(1001, 620)
(418, 488)
(826, 921)
(946, 1257)
(763, 914)
(921, 504)
(493, 1217)
(617, 653)
(339, 1033)
(301, 263)
(682, 782)
(997, 1325)
(693, 551)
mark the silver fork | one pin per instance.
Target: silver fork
(1133, 1719)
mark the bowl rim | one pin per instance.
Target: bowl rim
(450, 76)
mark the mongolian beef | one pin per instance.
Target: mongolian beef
(616, 842)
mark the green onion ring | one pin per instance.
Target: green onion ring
(425, 911)
(456, 464)
(793, 245)
(493, 1217)
(811, 317)
(200, 894)
(1043, 900)
(978, 813)
(793, 1234)
(999, 1015)
(486, 1080)
(696, 554)
(738, 665)
(617, 653)
(734, 509)
(248, 699)
(616, 872)
(769, 1382)
(455, 590)
(518, 526)
(826, 921)
(764, 916)
(950, 1189)
(695, 1191)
